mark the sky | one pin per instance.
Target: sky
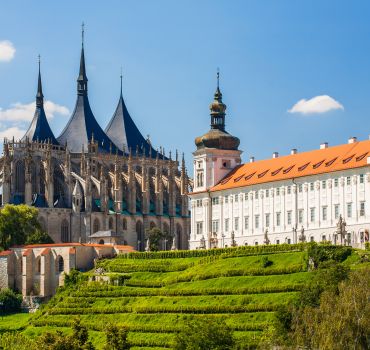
(293, 74)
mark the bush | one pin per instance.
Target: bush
(73, 278)
(11, 302)
(39, 237)
(266, 262)
(324, 252)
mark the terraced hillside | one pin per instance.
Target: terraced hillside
(155, 294)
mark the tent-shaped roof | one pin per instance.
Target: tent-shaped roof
(82, 126)
(39, 129)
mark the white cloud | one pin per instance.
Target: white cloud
(19, 112)
(12, 131)
(316, 105)
(7, 51)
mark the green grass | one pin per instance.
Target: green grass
(161, 295)
(14, 322)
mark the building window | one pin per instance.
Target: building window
(278, 191)
(96, 226)
(362, 208)
(215, 201)
(236, 224)
(227, 221)
(267, 193)
(278, 217)
(336, 182)
(348, 180)
(246, 222)
(323, 184)
(289, 241)
(312, 214)
(199, 203)
(236, 198)
(336, 211)
(277, 241)
(64, 230)
(124, 224)
(257, 221)
(215, 224)
(323, 238)
(325, 213)
(246, 196)
(226, 199)
(289, 217)
(267, 220)
(289, 190)
(199, 227)
(60, 265)
(300, 188)
(312, 239)
(256, 195)
(349, 210)
(312, 186)
(362, 178)
(300, 216)
(200, 179)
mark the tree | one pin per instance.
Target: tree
(205, 334)
(38, 237)
(10, 301)
(116, 338)
(342, 321)
(17, 223)
(155, 235)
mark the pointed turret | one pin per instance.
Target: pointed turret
(123, 132)
(39, 129)
(82, 125)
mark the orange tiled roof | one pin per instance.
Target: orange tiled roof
(46, 251)
(5, 252)
(336, 158)
(50, 245)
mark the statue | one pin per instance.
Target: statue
(341, 230)
(266, 238)
(213, 241)
(147, 247)
(302, 236)
(173, 246)
(202, 243)
(233, 242)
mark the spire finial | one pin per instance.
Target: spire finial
(121, 80)
(39, 95)
(218, 77)
(82, 33)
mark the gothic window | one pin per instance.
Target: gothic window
(96, 226)
(140, 236)
(111, 223)
(64, 231)
(38, 265)
(19, 177)
(34, 178)
(42, 179)
(124, 224)
(59, 264)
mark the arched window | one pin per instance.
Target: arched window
(96, 226)
(38, 265)
(60, 264)
(33, 178)
(19, 177)
(110, 223)
(179, 236)
(58, 182)
(140, 236)
(101, 241)
(64, 231)
(42, 179)
(124, 224)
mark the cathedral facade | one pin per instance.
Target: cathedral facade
(90, 182)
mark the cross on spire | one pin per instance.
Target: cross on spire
(218, 77)
(121, 80)
(82, 33)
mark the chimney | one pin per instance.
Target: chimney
(352, 139)
(275, 155)
(323, 145)
(293, 151)
(251, 159)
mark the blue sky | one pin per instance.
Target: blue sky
(271, 54)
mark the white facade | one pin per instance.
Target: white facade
(312, 202)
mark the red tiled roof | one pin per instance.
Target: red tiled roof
(6, 253)
(72, 250)
(336, 158)
(45, 251)
(27, 252)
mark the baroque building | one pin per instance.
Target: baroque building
(320, 195)
(90, 180)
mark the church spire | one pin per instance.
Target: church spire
(82, 78)
(39, 95)
(218, 108)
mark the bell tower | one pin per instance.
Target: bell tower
(217, 151)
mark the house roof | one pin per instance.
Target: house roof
(321, 161)
(6, 253)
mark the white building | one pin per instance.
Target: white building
(298, 197)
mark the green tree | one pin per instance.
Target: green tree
(342, 321)
(205, 334)
(116, 338)
(10, 301)
(38, 237)
(155, 236)
(17, 223)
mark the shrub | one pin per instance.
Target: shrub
(10, 301)
(74, 277)
(324, 252)
(266, 262)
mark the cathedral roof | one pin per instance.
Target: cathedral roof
(342, 157)
(39, 129)
(82, 127)
(124, 133)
